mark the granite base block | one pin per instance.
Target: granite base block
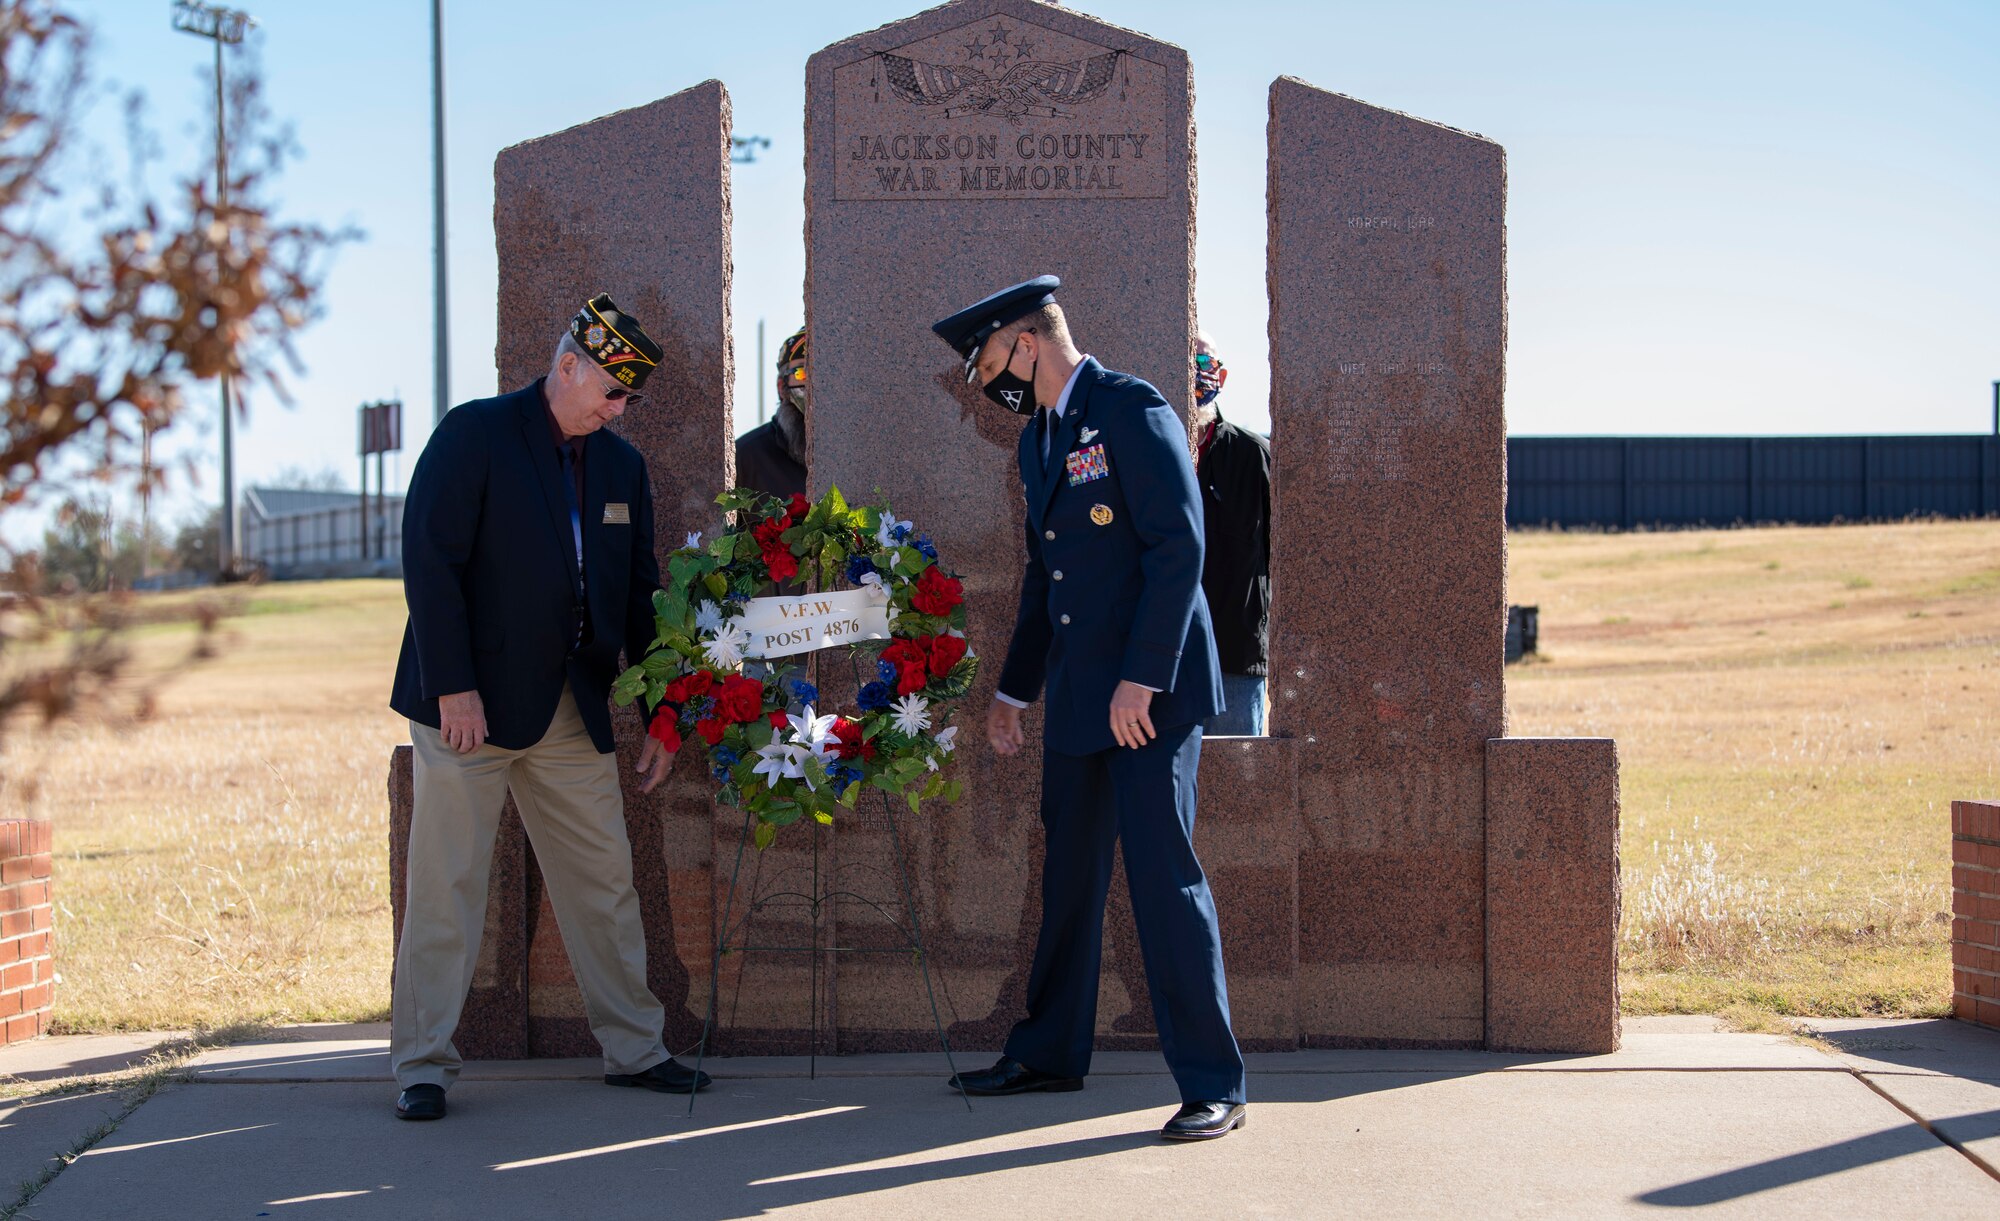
(1552, 896)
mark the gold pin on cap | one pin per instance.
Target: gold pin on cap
(1101, 514)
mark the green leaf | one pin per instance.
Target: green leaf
(956, 684)
(852, 795)
(915, 801)
(823, 818)
(746, 546)
(716, 585)
(764, 834)
(723, 547)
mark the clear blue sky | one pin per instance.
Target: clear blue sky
(1723, 217)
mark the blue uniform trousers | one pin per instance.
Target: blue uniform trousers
(1146, 798)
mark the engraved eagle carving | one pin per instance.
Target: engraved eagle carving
(1036, 87)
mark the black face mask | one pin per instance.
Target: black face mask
(1016, 394)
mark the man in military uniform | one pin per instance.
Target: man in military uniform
(1113, 624)
(528, 565)
(771, 458)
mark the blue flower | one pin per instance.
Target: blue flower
(726, 756)
(721, 774)
(924, 545)
(807, 693)
(887, 669)
(874, 697)
(858, 566)
(734, 596)
(901, 532)
(842, 777)
(700, 706)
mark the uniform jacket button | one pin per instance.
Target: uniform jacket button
(1049, 535)
(1065, 618)
(1057, 574)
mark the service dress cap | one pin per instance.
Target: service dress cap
(969, 329)
(615, 340)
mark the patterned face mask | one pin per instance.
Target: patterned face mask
(1208, 378)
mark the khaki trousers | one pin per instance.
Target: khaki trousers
(571, 807)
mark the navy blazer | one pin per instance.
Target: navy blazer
(489, 571)
(1118, 598)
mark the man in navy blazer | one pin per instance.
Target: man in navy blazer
(528, 566)
(1113, 628)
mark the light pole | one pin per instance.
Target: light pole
(440, 337)
(220, 25)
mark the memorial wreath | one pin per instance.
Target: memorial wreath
(888, 602)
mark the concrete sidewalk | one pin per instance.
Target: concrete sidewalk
(1890, 1119)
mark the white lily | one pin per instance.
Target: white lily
(814, 734)
(693, 540)
(947, 739)
(778, 761)
(725, 651)
(913, 714)
(708, 618)
(885, 533)
(877, 591)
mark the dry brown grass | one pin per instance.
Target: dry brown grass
(1795, 709)
(1787, 772)
(227, 861)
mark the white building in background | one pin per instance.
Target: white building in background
(293, 533)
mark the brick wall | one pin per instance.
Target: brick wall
(27, 973)
(1975, 909)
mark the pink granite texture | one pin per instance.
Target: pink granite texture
(1975, 907)
(1552, 894)
(635, 204)
(910, 215)
(1388, 332)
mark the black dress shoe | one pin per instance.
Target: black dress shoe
(669, 1076)
(1010, 1076)
(421, 1102)
(1206, 1121)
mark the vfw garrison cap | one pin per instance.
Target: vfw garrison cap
(615, 341)
(969, 329)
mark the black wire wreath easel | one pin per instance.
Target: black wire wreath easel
(816, 903)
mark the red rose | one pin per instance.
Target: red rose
(699, 682)
(710, 729)
(741, 700)
(767, 533)
(936, 593)
(664, 731)
(946, 652)
(779, 720)
(912, 662)
(783, 564)
(799, 507)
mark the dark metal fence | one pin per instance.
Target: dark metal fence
(1624, 482)
(322, 536)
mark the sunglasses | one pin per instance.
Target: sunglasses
(631, 398)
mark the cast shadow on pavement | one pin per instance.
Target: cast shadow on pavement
(1899, 1141)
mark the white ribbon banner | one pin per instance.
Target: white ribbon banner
(779, 627)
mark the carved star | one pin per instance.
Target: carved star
(1024, 49)
(999, 32)
(997, 53)
(974, 49)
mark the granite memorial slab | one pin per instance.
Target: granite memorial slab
(1386, 269)
(949, 155)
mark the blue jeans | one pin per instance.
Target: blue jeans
(1242, 715)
